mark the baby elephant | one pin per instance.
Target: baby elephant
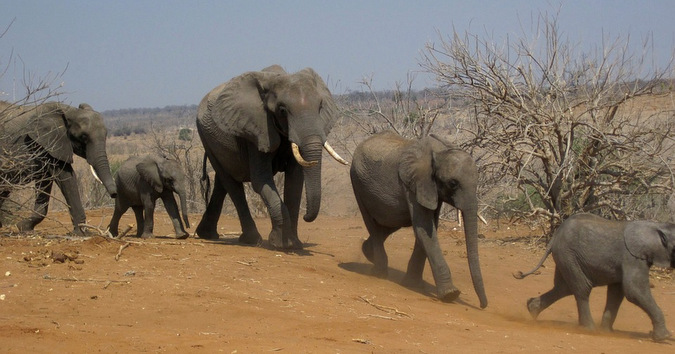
(590, 251)
(140, 181)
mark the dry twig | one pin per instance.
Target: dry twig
(387, 309)
(119, 253)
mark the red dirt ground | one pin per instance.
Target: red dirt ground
(165, 295)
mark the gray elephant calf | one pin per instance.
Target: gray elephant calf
(398, 183)
(591, 251)
(140, 181)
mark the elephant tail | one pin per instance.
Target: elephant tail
(520, 275)
(205, 182)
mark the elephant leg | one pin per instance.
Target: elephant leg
(140, 220)
(425, 227)
(373, 247)
(120, 209)
(293, 181)
(418, 258)
(148, 216)
(43, 191)
(249, 231)
(262, 181)
(560, 289)
(172, 209)
(636, 289)
(208, 225)
(614, 299)
(584, 309)
(67, 182)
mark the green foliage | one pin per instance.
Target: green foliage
(185, 134)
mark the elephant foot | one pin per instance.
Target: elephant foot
(661, 334)
(25, 225)
(534, 307)
(449, 294)
(147, 235)
(251, 238)
(277, 241)
(182, 236)
(207, 233)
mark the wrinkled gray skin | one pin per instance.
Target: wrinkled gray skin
(140, 182)
(591, 251)
(398, 183)
(247, 126)
(51, 133)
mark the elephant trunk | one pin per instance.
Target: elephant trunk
(184, 208)
(311, 151)
(470, 216)
(97, 158)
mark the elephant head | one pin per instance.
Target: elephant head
(62, 130)
(274, 110)
(164, 174)
(651, 242)
(435, 171)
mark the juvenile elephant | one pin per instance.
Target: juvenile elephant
(398, 183)
(140, 181)
(591, 251)
(258, 124)
(37, 144)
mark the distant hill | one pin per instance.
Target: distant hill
(123, 122)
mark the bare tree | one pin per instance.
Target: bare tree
(17, 167)
(185, 147)
(409, 113)
(574, 130)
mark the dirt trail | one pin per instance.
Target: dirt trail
(164, 295)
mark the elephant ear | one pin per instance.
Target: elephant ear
(416, 173)
(238, 107)
(48, 129)
(650, 241)
(329, 110)
(149, 171)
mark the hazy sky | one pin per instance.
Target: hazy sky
(136, 53)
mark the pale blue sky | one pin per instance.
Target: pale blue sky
(138, 53)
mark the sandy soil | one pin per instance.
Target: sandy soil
(164, 295)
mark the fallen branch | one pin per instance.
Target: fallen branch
(387, 309)
(126, 230)
(49, 277)
(103, 233)
(119, 253)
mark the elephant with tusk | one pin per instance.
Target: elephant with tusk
(258, 124)
(42, 140)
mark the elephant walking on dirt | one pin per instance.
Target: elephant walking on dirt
(37, 144)
(140, 182)
(258, 124)
(591, 251)
(398, 183)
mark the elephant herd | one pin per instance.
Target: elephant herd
(265, 122)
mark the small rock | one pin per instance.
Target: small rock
(8, 273)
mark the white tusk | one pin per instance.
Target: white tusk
(334, 154)
(298, 157)
(95, 175)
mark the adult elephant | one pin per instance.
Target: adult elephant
(41, 141)
(258, 124)
(141, 180)
(400, 182)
